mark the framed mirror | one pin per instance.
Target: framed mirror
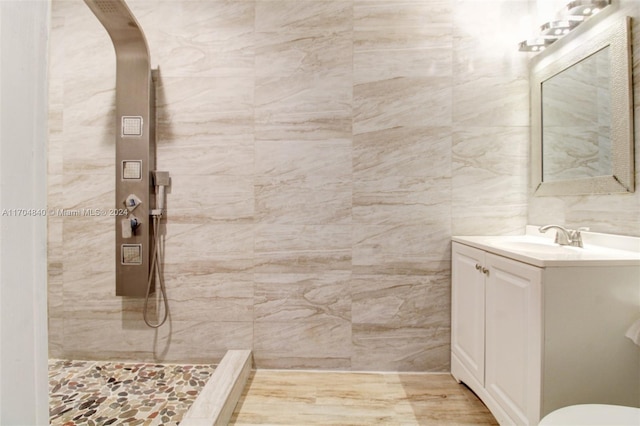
(582, 113)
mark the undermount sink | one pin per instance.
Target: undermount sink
(540, 249)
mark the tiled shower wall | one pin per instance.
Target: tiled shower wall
(322, 154)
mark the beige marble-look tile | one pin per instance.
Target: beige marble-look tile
(214, 154)
(499, 219)
(401, 299)
(386, 53)
(487, 164)
(101, 164)
(208, 248)
(306, 17)
(309, 343)
(330, 158)
(299, 297)
(88, 244)
(401, 200)
(308, 72)
(215, 297)
(400, 249)
(314, 200)
(226, 101)
(402, 151)
(401, 348)
(309, 126)
(401, 102)
(184, 341)
(403, 13)
(88, 194)
(491, 101)
(302, 248)
(210, 199)
(199, 38)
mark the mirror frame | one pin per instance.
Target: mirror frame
(617, 36)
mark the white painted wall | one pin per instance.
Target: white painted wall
(24, 28)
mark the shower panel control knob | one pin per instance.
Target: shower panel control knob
(135, 223)
(132, 202)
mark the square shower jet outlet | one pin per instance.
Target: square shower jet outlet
(131, 254)
(131, 126)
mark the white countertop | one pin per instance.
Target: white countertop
(540, 250)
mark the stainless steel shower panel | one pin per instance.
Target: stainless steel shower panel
(135, 144)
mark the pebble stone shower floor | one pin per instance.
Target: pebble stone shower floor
(117, 393)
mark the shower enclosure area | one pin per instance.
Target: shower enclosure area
(321, 157)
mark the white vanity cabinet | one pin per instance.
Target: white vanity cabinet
(529, 339)
(495, 331)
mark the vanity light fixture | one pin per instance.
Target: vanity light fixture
(586, 7)
(574, 13)
(536, 44)
(557, 29)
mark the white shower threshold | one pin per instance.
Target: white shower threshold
(216, 402)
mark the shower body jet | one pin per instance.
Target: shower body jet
(135, 145)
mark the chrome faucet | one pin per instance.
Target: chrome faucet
(564, 236)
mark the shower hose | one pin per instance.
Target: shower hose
(156, 269)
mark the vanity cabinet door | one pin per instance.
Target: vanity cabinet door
(513, 337)
(467, 309)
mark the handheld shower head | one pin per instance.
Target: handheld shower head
(161, 180)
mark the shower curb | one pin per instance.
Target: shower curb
(217, 400)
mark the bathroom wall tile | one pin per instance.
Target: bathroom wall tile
(403, 13)
(282, 54)
(484, 48)
(55, 145)
(386, 53)
(491, 101)
(502, 219)
(487, 164)
(199, 38)
(55, 337)
(212, 297)
(90, 101)
(204, 102)
(87, 46)
(314, 200)
(86, 192)
(302, 248)
(307, 344)
(402, 102)
(312, 126)
(403, 151)
(401, 200)
(88, 244)
(409, 348)
(208, 248)
(402, 300)
(214, 154)
(210, 199)
(82, 139)
(400, 249)
(133, 340)
(328, 158)
(617, 215)
(93, 296)
(306, 17)
(301, 297)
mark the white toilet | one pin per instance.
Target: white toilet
(593, 414)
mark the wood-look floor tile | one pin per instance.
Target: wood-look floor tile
(277, 397)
